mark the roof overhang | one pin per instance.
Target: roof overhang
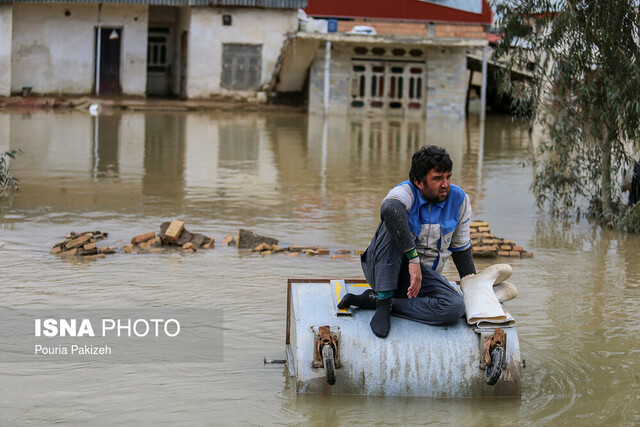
(392, 40)
(474, 63)
(265, 4)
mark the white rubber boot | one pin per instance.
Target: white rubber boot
(480, 301)
(505, 291)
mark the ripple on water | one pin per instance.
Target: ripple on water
(550, 384)
(577, 308)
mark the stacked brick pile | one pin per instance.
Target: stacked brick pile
(171, 234)
(295, 250)
(267, 249)
(486, 245)
(83, 245)
(268, 245)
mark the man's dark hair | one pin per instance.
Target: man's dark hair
(427, 158)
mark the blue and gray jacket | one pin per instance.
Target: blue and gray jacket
(438, 228)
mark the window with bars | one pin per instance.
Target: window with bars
(241, 65)
(393, 86)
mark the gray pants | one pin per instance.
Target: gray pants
(386, 269)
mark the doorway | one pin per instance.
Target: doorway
(184, 49)
(159, 54)
(108, 51)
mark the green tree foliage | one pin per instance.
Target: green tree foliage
(8, 183)
(584, 61)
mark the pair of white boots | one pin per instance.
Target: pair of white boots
(484, 292)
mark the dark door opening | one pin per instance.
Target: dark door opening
(108, 65)
(159, 58)
(184, 55)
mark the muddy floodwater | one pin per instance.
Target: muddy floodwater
(306, 182)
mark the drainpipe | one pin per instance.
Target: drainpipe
(327, 72)
(483, 106)
(98, 47)
(483, 90)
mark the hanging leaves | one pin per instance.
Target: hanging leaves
(7, 181)
(583, 60)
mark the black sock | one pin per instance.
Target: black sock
(367, 300)
(381, 321)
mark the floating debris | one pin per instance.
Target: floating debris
(266, 249)
(295, 251)
(171, 234)
(144, 243)
(486, 245)
(175, 234)
(83, 245)
(229, 240)
(249, 240)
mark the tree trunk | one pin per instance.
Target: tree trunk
(607, 202)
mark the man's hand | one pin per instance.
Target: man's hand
(415, 275)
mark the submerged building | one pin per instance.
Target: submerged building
(379, 57)
(402, 57)
(184, 48)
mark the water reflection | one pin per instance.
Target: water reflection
(325, 175)
(176, 158)
(164, 156)
(106, 144)
(305, 181)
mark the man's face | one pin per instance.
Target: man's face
(435, 186)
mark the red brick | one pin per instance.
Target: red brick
(79, 241)
(174, 230)
(72, 252)
(210, 244)
(143, 237)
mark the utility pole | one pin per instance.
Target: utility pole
(483, 89)
(98, 48)
(327, 74)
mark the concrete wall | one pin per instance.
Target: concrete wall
(6, 20)
(54, 53)
(251, 26)
(446, 84)
(299, 56)
(445, 81)
(338, 80)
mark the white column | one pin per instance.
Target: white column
(483, 90)
(98, 48)
(327, 73)
(6, 39)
